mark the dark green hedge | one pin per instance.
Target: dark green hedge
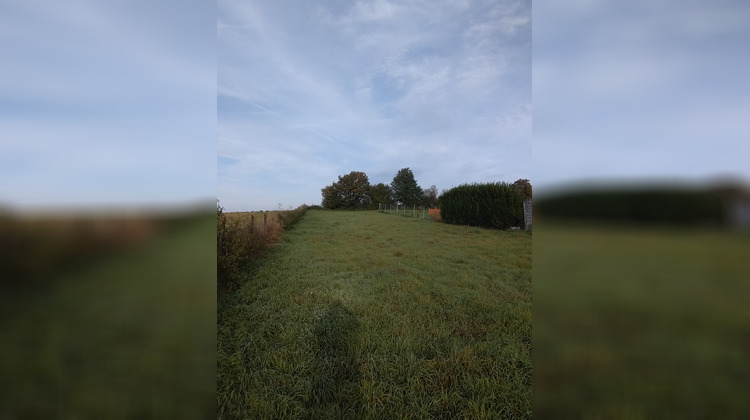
(497, 205)
(654, 206)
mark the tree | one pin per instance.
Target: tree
(331, 198)
(430, 197)
(405, 188)
(349, 192)
(524, 186)
(381, 193)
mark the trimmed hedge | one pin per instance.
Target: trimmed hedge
(647, 205)
(496, 205)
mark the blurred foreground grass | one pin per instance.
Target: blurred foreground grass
(632, 322)
(130, 334)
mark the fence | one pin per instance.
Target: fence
(415, 212)
(434, 214)
(527, 214)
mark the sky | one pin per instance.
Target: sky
(263, 103)
(640, 91)
(107, 103)
(317, 90)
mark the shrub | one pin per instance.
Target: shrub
(493, 205)
(647, 205)
(243, 238)
(37, 248)
(290, 217)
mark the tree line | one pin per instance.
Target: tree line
(353, 191)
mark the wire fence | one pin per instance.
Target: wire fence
(417, 212)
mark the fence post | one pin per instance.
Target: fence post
(527, 213)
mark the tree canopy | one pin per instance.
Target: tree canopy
(405, 188)
(430, 197)
(381, 193)
(349, 192)
(524, 185)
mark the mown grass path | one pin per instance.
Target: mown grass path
(368, 315)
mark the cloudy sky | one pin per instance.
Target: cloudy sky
(319, 89)
(116, 102)
(107, 103)
(640, 90)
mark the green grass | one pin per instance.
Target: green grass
(130, 336)
(640, 323)
(366, 315)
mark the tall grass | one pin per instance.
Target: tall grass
(127, 335)
(362, 316)
(639, 322)
(244, 237)
(36, 248)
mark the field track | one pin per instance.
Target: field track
(369, 315)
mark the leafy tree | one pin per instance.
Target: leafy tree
(349, 192)
(405, 188)
(430, 197)
(381, 193)
(331, 198)
(524, 186)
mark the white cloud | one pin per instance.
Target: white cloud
(371, 86)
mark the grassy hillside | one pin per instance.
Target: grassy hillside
(131, 335)
(640, 323)
(367, 315)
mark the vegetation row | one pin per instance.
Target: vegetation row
(37, 248)
(494, 205)
(670, 206)
(497, 205)
(243, 237)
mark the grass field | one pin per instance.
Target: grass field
(367, 315)
(640, 323)
(130, 335)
